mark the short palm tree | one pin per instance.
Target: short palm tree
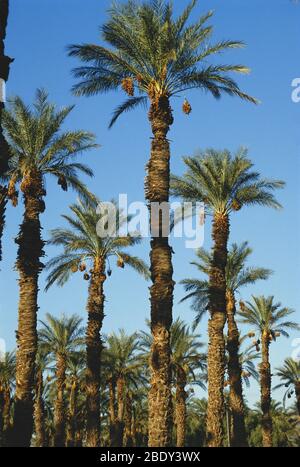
(7, 385)
(84, 246)
(157, 56)
(60, 337)
(75, 383)
(186, 362)
(38, 148)
(268, 319)
(124, 369)
(289, 373)
(42, 361)
(225, 183)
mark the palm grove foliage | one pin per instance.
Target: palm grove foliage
(84, 246)
(225, 183)
(237, 275)
(151, 53)
(268, 319)
(73, 385)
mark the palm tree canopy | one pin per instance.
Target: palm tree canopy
(267, 316)
(81, 242)
(238, 275)
(289, 373)
(159, 55)
(247, 358)
(121, 358)
(7, 370)
(38, 144)
(61, 336)
(224, 182)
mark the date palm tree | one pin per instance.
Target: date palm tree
(225, 183)
(38, 148)
(60, 337)
(7, 385)
(186, 361)
(74, 384)
(237, 275)
(289, 373)
(124, 368)
(157, 56)
(42, 362)
(83, 246)
(268, 320)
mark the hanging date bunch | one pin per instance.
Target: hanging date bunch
(128, 86)
(186, 107)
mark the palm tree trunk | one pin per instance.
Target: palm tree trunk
(59, 405)
(29, 266)
(6, 415)
(265, 388)
(180, 409)
(3, 201)
(1, 416)
(161, 292)
(216, 323)
(39, 413)
(297, 392)
(72, 425)
(128, 438)
(4, 72)
(121, 407)
(95, 308)
(112, 413)
(236, 401)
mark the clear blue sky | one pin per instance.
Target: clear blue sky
(37, 36)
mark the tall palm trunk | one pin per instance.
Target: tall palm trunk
(72, 425)
(59, 405)
(216, 323)
(161, 292)
(29, 266)
(4, 149)
(180, 411)
(236, 401)
(121, 410)
(297, 391)
(3, 202)
(265, 389)
(39, 413)
(128, 438)
(112, 413)
(5, 62)
(95, 308)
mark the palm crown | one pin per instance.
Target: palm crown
(121, 358)
(61, 336)
(82, 243)
(7, 370)
(224, 182)
(37, 144)
(238, 275)
(159, 55)
(267, 316)
(289, 373)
